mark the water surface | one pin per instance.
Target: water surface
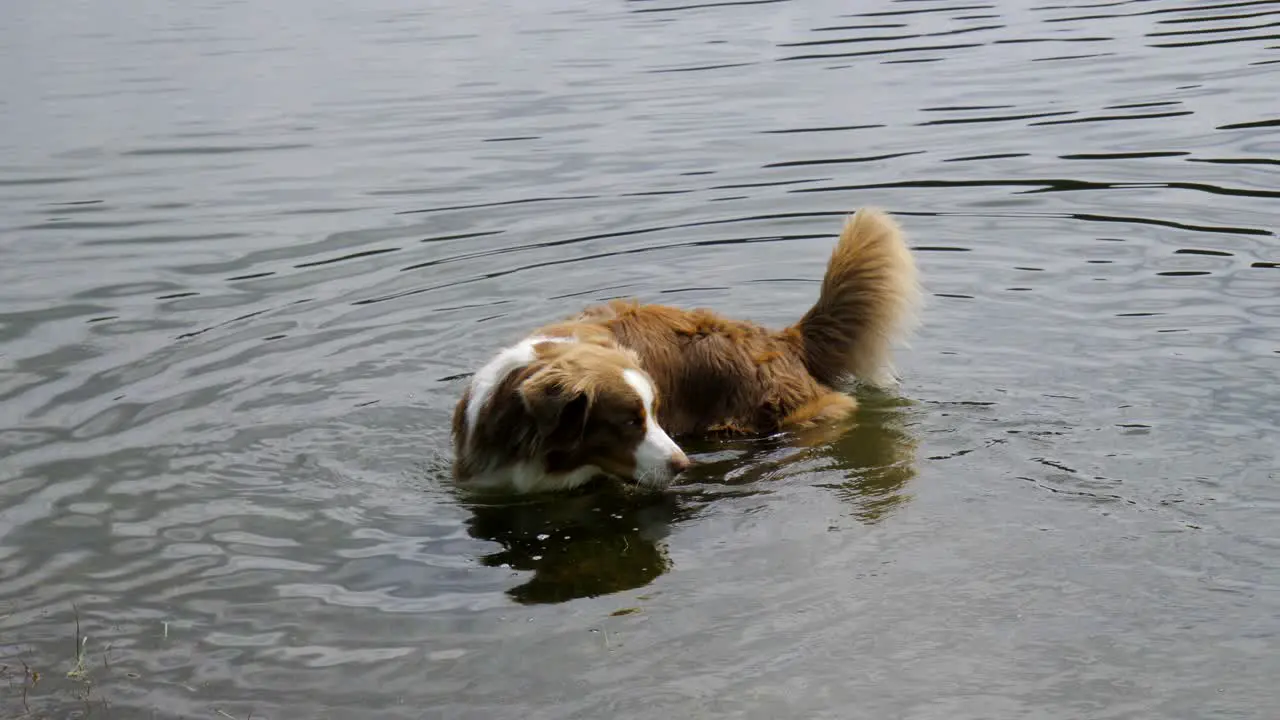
(250, 252)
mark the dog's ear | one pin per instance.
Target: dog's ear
(558, 408)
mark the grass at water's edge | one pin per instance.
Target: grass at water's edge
(70, 688)
(34, 691)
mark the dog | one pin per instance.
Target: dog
(603, 393)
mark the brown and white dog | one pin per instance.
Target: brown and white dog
(603, 393)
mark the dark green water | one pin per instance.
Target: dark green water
(249, 250)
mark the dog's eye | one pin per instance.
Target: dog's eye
(634, 422)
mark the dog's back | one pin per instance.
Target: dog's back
(720, 374)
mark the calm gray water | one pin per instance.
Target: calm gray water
(251, 250)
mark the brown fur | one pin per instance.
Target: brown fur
(714, 374)
(869, 297)
(717, 374)
(585, 410)
(570, 408)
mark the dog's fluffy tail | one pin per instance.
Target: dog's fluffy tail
(870, 297)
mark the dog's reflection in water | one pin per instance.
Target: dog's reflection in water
(598, 540)
(867, 460)
(869, 465)
(606, 538)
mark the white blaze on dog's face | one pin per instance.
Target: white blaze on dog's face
(658, 457)
(592, 406)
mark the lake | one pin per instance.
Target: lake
(251, 252)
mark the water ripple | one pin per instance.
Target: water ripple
(238, 307)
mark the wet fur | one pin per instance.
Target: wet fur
(720, 375)
(713, 374)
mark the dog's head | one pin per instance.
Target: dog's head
(593, 406)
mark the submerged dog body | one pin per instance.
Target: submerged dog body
(602, 393)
